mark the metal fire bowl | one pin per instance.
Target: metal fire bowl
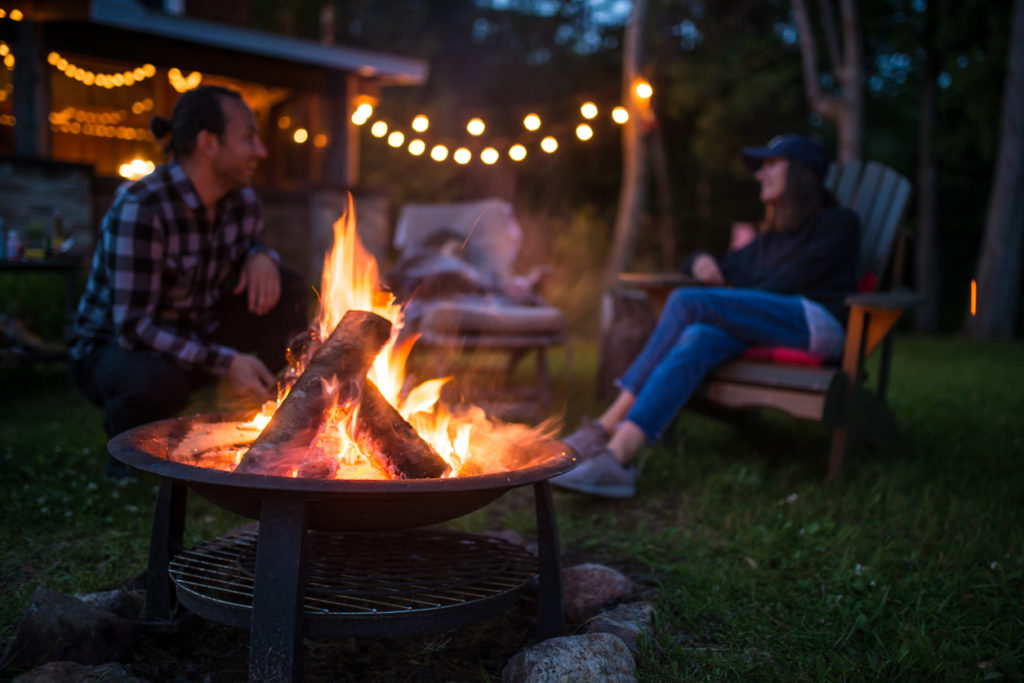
(332, 504)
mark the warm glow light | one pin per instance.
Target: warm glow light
(620, 115)
(396, 139)
(588, 110)
(320, 140)
(489, 155)
(364, 111)
(420, 123)
(462, 156)
(379, 129)
(475, 127)
(643, 90)
(284, 122)
(300, 135)
(549, 144)
(974, 297)
(136, 168)
(16, 15)
(584, 132)
(417, 147)
(531, 122)
(439, 153)
(517, 152)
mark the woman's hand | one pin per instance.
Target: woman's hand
(705, 269)
(261, 277)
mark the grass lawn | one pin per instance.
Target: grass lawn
(912, 569)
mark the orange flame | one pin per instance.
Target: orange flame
(351, 281)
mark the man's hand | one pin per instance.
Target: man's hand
(261, 277)
(706, 270)
(250, 377)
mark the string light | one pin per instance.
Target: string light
(417, 147)
(475, 127)
(396, 138)
(362, 113)
(136, 168)
(549, 144)
(320, 140)
(588, 110)
(531, 122)
(5, 52)
(420, 123)
(284, 122)
(379, 129)
(489, 155)
(462, 156)
(584, 132)
(439, 153)
(517, 152)
(101, 80)
(620, 115)
(14, 15)
(180, 82)
(643, 90)
(300, 135)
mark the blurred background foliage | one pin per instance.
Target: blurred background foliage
(725, 74)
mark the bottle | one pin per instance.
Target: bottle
(57, 236)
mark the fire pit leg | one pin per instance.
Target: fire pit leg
(275, 641)
(550, 610)
(164, 543)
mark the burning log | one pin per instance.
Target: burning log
(391, 442)
(345, 356)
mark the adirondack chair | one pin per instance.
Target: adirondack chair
(451, 325)
(793, 381)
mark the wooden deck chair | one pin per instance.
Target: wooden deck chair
(483, 323)
(792, 381)
(799, 384)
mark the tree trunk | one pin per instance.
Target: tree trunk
(998, 271)
(846, 110)
(926, 260)
(634, 165)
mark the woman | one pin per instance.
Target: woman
(785, 288)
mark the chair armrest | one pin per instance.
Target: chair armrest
(658, 285)
(892, 301)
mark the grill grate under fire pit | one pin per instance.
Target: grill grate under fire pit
(355, 578)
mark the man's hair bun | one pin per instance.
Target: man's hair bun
(160, 126)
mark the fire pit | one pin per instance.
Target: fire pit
(339, 557)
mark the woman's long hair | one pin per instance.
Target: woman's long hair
(803, 198)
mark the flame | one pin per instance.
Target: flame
(351, 281)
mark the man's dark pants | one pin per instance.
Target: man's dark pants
(136, 387)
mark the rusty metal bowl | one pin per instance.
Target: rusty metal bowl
(333, 504)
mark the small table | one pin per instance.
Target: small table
(60, 265)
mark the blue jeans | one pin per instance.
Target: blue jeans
(702, 327)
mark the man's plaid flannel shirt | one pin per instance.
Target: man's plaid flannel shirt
(161, 267)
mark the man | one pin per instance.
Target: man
(182, 290)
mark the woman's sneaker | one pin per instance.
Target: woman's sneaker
(602, 475)
(588, 439)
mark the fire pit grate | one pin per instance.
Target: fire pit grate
(355, 578)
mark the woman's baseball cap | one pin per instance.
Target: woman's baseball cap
(797, 147)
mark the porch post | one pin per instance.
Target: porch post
(31, 93)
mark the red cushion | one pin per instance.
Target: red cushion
(783, 354)
(867, 284)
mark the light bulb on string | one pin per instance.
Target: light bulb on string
(417, 147)
(531, 122)
(620, 115)
(517, 152)
(439, 153)
(420, 123)
(643, 89)
(300, 135)
(396, 139)
(475, 127)
(549, 144)
(489, 155)
(462, 156)
(588, 110)
(584, 132)
(379, 129)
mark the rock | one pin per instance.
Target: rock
(590, 587)
(511, 536)
(73, 672)
(590, 657)
(58, 627)
(626, 621)
(125, 604)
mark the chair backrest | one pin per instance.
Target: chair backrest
(879, 196)
(493, 235)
